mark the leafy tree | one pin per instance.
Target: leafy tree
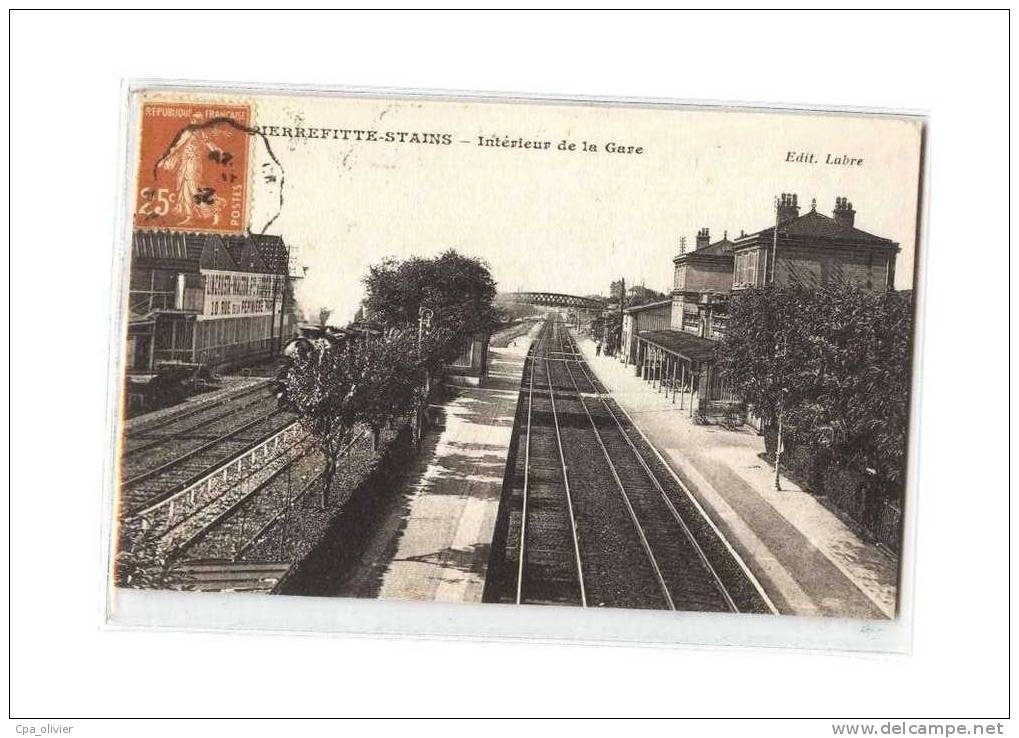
(458, 289)
(831, 366)
(319, 385)
(616, 288)
(142, 563)
(391, 379)
(338, 388)
(858, 411)
(641, 295)
(509, 312)
(637, 294)
(765, 353)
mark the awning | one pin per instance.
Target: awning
(685, 345)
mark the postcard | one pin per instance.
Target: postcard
(538, 353)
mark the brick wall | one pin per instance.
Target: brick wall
(811, 266)
(704, 276)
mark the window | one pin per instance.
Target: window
(746, 268)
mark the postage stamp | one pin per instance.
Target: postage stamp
(193, 167)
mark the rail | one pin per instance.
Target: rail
(142, 424)
(723, 590)
(152, 442)
(295, 452)
(536, 357)
(173, 509)
(622, 491)
(527, 478)
(566, 485)
(167, 465)
(300, 494)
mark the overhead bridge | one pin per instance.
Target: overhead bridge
(553, 299)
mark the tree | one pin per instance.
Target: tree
(829, 366)
(764, 351)
(339, 387)
(859, 408)
(335, 389)
(616, 289)
(391, 380)
(638, 294)
(510, 312)
(458, 289)
(641, 295)
(319, 386)
(142, 562)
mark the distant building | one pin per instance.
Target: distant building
(809, 250)
(207, 299)
(701, 283)
(654, 316)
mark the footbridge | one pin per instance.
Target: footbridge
(553, 299)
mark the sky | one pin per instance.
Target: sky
(553, 219)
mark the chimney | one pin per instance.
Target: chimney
(703, 238)
(844, 213)
(787, 209)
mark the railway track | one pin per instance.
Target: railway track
(593, 517)
(150, 485)
(549, 566)
(193, 424)
(229, 533)
(685, 577)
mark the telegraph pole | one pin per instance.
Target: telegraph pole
(622, 306)
(779, 352)
(780, 355)
(774, 240)
(425, 316)
(282, 294)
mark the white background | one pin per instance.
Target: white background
(65, 102)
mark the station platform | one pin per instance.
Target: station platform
(435, 546)
(806, 559)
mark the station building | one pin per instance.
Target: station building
(653, 316)
(470, 365)
(701, 283)
(809, 250)
(207, 300)
(812, 250)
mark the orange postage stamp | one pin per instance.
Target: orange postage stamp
(193, 167)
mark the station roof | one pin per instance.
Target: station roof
(721, 247)
(273, 251)
(685, 345)
(196, 251)
(815, 225)
(176, 247)
(648, 306)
